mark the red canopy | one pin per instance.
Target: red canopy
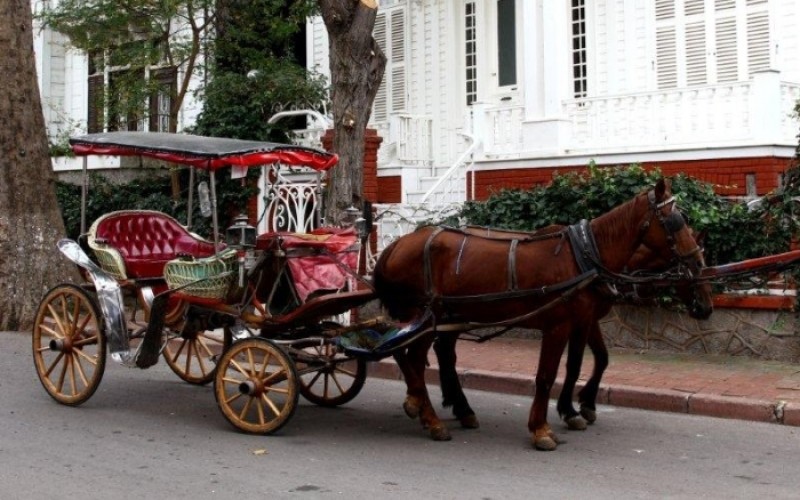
(208, 153)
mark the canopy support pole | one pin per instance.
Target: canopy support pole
(214, 221)
(190, 205)
(84, 192)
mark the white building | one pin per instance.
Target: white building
(513, 89)
(704, 86)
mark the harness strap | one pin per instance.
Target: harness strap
(426, 257)
(512, 265)
(515, 294)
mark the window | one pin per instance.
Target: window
(471, 52)
(506, 43)
(123, 98)
(389, 33)
(697, 46)
(579, 77)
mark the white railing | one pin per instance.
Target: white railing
(454, 179)
(414, 138)
(310, 136)
(790, 95)
(499, 128)
(395, 220)
(713, 113)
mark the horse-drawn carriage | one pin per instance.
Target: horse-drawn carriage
(253, 313)
(256, 314)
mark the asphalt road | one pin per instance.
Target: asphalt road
(146, 434)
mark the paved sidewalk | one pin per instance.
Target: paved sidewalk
(718, 386)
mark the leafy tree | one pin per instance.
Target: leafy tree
(137, 34)
(30, 223)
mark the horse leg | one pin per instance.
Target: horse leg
(452, 392)
(412, 363)
(411, 405)
(567, 412)
(587, 396)
(553, 343)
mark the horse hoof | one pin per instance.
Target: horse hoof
(411, 409)
(575, 423)
(588, 414)
(544, 443)
(470, 422)
(440, 433)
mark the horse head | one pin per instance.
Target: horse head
(673, 243)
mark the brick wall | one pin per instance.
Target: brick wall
(728, 174)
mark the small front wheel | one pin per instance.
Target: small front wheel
(256, 386)
(69, 344)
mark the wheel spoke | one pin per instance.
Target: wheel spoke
(260, 410)
(179, 351)
(57, 320)
(77, 363)
(246, 408)
(50, 332)
(314, 379)
(239, 368)
(271, 405)
(188, 362)
(200, 361)
(76, 312)
(86, 341)
(236, 395)
(53, 365)
(336, 381)
(90, 359)
(345, 371)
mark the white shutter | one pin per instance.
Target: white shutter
(381, 105)
(665, 9)
(389, 33)
(692, 7)
(758, 41)
(724, 4)
(666, 58)
(727, 63)
(398, 60)
(696, 54)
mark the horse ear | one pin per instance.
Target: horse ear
(661, 188)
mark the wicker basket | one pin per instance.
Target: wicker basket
(210, 277)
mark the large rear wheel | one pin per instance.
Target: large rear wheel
(69, 344)
(256, 386)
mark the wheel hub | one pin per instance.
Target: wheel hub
(251, 387)
(61, 345)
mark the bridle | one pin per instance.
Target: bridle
(672, 223)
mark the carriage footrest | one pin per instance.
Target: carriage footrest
(373, 344)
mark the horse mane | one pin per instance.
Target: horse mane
(617, 225)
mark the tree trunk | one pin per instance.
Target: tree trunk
(357, 65)
(30, 219)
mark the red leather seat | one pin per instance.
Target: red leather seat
(146, 240)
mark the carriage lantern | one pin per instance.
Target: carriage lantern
(241, 234)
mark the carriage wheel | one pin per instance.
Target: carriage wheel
(69, 344)
(256, 386)
(193, 357)
(327, 377)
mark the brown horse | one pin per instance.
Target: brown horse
(639, 288)
(549, 283)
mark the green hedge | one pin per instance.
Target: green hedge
(733, 231)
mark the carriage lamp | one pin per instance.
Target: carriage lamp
(351, 214)
(241, 234)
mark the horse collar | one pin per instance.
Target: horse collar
(584, 246)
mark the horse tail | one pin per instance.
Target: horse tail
(396, 297)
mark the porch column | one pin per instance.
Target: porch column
(547, 75)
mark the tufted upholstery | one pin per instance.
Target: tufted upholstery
(145, 240)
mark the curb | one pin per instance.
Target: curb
(644, 398)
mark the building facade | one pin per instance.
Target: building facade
(507, 92)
